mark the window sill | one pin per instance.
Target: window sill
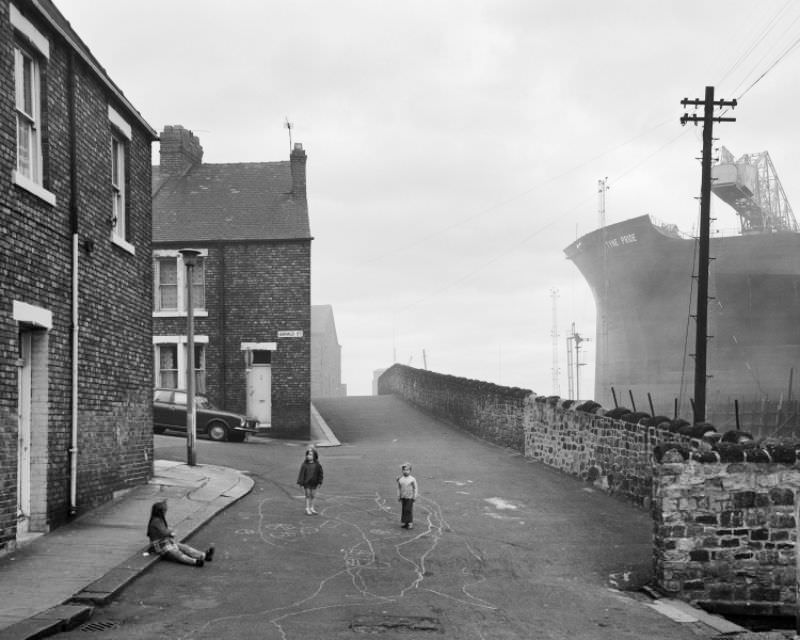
(123, 244)
(198, 313)
(36, 189)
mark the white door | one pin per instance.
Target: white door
(259, 393)
(24, 430)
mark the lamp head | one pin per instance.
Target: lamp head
(189, 256)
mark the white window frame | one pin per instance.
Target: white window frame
(157, 373)
(181, 342)
(201, 312)
(121, 134)
(119, 213)
(30, 46)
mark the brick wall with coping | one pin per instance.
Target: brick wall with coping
(612, 453)
(494, 413)
(725, 535)
(724, 532)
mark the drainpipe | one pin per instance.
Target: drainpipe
(73, 207)
(223, 276)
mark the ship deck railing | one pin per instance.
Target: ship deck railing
(672, 229)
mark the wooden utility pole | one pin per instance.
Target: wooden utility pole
(701, 339)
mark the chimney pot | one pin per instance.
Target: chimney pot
(298, 168)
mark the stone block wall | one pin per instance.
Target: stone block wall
(496, 414)
(725, 535)
(724, 532)
(613, 454)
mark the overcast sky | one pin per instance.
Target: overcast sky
(455, 146)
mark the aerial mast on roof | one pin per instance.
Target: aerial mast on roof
(289, 126)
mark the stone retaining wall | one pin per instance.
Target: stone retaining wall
(496, 414)
(723, 514)
(725, 535)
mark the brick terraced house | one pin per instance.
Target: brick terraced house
(251, 286)
(75, 278)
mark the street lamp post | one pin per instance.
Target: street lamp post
(190, 260)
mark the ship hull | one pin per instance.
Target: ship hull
(641, 279)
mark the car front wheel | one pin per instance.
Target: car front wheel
(217, 431)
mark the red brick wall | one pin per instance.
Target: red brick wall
(115, 290)
(269, 290)
(254, 290)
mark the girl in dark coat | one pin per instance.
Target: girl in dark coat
(310, 477)
(163, 540)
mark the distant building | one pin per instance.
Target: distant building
(76, 382)
(326, 355)
(251, 288)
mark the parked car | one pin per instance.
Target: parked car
(169, 412)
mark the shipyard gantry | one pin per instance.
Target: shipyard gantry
(751, 186)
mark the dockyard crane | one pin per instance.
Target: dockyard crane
(751, 186)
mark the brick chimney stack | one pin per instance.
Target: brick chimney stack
(179, 150)
(298, 166)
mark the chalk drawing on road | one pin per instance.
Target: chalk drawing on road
(502, 504)
(458, 483)
(499, 516)
(379, 562)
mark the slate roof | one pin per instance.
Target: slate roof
(239, 201)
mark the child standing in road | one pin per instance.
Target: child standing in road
(406, 493)
(310, 478)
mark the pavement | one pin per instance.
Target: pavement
(52, 583)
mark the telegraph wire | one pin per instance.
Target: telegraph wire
(754, 45)
(492, 260)
(506, 248)
(492, 207)
(502, 203)
(772, 66)
(770, 26)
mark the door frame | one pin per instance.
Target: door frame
(248, 349)
(33, 404)
(24, 408)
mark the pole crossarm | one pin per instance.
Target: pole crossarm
(697, 102)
